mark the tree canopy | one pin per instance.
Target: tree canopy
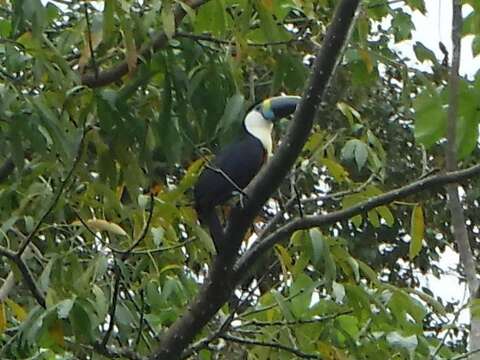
(109, 112)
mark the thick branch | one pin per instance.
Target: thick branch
(160, 40)
(219, 285)
(247, 260)
(459, 227)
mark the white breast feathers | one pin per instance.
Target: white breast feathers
(257, 126)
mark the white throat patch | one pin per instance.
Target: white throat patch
(257, 126)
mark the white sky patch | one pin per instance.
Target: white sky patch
(435, 27)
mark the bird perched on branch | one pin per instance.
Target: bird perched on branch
(236, 165)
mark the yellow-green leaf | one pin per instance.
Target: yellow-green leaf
(386, 214)
(373, 218)
(416, 231)
(3, 317)
(130, 46)
(103, 225)
(335, 169)
(205, 239)
(56, 333)
(18, 311)
(285, 259)
(168, 19)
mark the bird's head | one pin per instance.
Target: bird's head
(259, 120)
(278, 107)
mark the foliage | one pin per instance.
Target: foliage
(117, 267)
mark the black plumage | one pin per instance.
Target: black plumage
(235, 166)
(240, 161)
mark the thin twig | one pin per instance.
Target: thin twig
(113, 306)
(294, 322)
(212, 39)
(140, 321)
(145, 229)
(29, 281)
(274, 345)
(90, 43)
(139, 309)
(162, 249)
(228, 178)
(466, 355)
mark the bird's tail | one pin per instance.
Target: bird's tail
(210, 218)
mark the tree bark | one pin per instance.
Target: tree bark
(459, 228)
(220, 283)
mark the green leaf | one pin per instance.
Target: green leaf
(350, 113)
(108, 21)
(368, 271)
(129, 40)
(80, 322)
(476, 46)
(101, 303)
(355, 267)
(423, 53)
(302, 287)
(338, 292)
(318, 245)
(402, 26)
(283, 305)
(355, 150)
(269, 27)
(3, 318)
(158, 234)
(285, 259)
(373, 218)
(467, 121)
(205, 239)
(233, 112)
(211, 17)
(430, 118)
(335, 169)
(44, 280)
(417, 5)
(386, 214)
(417, 230)
(123, 315)
(168, 19)
(64, 307)
(406, 342)
(349, 324)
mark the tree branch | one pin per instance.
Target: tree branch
(160, 40)
(262, 245)
(457, 215)
(219, 284)
(274, 345)
(113, 306)
(294, 322)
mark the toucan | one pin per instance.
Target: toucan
(235, 166)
